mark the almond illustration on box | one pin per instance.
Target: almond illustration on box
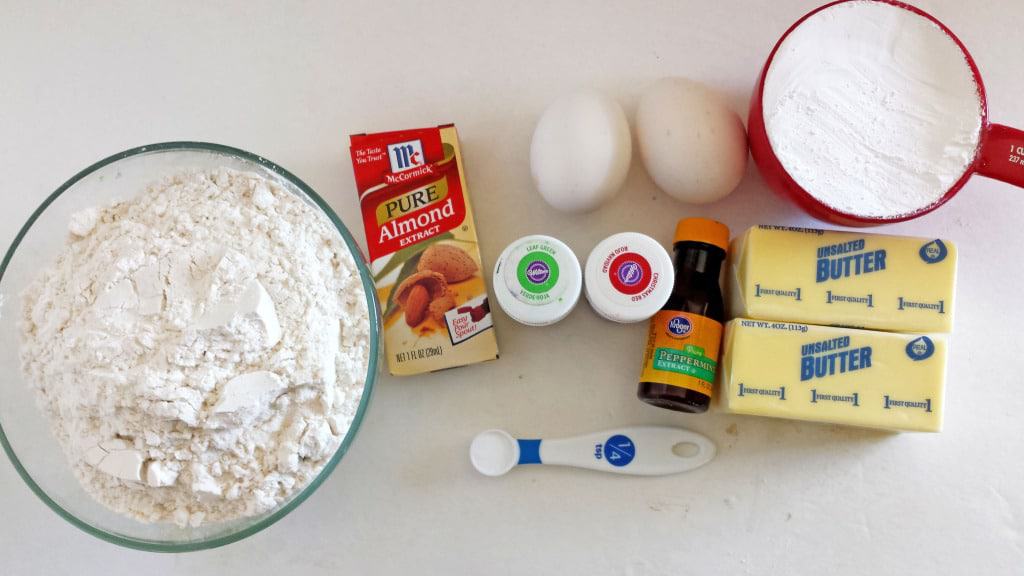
(426, 293)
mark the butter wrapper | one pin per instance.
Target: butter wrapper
(864, 378)
(838, 278)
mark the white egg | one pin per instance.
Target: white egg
(692, 144)
(580, 151)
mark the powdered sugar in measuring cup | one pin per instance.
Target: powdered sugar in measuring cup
(871, 112)
(872, 109)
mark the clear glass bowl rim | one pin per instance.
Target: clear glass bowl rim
(372, 365)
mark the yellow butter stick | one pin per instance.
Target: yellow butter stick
(838, 375)
(843, 279)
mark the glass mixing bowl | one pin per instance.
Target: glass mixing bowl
(24, 428)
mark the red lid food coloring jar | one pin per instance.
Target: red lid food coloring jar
(628, 277)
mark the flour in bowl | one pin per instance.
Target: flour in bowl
(201, 349)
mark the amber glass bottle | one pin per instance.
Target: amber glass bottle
(684, 337)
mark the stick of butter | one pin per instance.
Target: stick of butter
(839, 375)
(843, 279)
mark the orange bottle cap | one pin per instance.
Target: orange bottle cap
(703, 230)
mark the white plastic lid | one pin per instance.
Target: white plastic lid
(629, 277)
(537, 280)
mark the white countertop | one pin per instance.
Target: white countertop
(290, 81)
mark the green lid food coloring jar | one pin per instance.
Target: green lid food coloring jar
(537, 280)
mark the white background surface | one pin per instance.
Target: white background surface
(290, 81)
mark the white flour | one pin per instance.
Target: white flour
(872, 109)
(201, 349)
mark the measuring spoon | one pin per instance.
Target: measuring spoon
(637, 450)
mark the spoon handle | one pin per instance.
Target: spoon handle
(637, 450)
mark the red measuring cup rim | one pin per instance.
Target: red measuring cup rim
(777, 176)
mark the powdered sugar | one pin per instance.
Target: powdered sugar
(201, 350)
(872, 109)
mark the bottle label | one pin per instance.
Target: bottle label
(682, 350)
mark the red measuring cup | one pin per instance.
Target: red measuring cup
(999, 155)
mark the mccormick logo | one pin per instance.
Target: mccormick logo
(680, 326)
(538, 272)
(405, 155)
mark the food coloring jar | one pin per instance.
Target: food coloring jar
(629, 277)
(537, 280)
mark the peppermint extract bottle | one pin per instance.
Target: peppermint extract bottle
(684, 337)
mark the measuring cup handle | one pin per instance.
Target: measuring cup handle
(1002, 154)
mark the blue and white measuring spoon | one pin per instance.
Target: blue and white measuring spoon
(638, 450)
